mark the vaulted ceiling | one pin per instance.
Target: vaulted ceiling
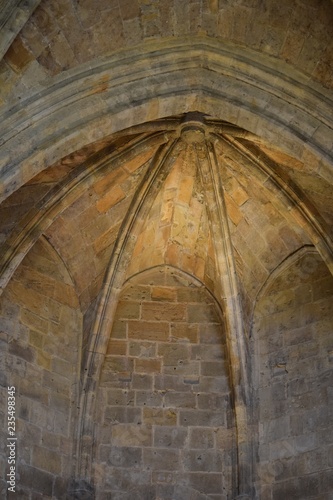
(95, 97)
(186, 191)
(195, 135)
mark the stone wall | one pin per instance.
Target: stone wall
(63, 34)
(39, 336)
(293, 333)
(164, 409)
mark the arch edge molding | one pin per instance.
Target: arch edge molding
(159, 80)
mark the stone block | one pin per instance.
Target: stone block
(111, 198)
(202, 313)
(206, 482)
(61, 423)
(36, 339)
(207, 352)
(218, 385)
(30, 434)
(305, 443)
(147, 365)
(173, 353)
(121, 456)
(50, 440)
(326, 482)
(163, 293)
(163, 477)
(128, 310)
(193, 294)
(16, 349)
(115, 176)
(60, 488)
(33, 321)
(191, 379)
(117, 380)
(124, 479)
(65, 294)
(34, 392)
(211, 333)
(142, 349)
(66, 447)
(161, 459)
(276, 429)
(296, 424)
(201, 438)
(212, 401)
(233, 210)
(56, 382)
(148, 398)
(118, 364)
(152, 330)
(123, 415)
(316, 460)
(180, 400)
(170, 382)
(24, 408)
(278, 391)
(62, 367)
(202, 460)
(195, 418)
(137, 293)
(287, 489)
(323, 288)
(152, 311)
(212, 368)
(106, 240)
(295, 337)
(156, 416)
(142, 381)
(43, 359)
(184, 332)
(36, 480)
(47, 460)
(186, 369)
(225, 439)
(119, 329)
(281, 449)
(117, 347)
(170, 437)
(60, 402)
(119, 397)
(298, 386)
(330, 455)
(131, 435)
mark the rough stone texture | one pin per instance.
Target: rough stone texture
(93, 97)
(62, 35)
(165, 422)
(40, 325)
(260, 232)
(293, 334)
(13, 16)
(175, 223)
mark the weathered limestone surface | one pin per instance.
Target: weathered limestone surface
(40, 342)
(166, 252)
(13, 16)
(165, 414)
(64, 34)
(293, 342)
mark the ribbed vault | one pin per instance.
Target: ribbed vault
(204, 204)
(201, 195)
(80, 204)
(159, 157)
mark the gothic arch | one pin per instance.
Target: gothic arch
(205, 75)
